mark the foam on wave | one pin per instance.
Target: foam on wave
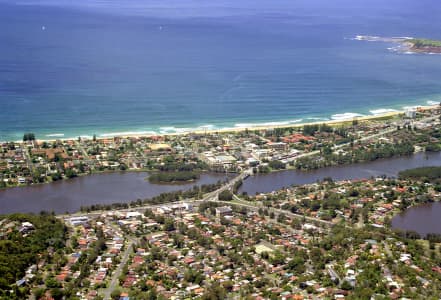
(381, 111)
(431, 102)
(346, 116)
(127, 133)
(280, 123)
(317, 119)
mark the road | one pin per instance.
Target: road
(372, 136)
(278, 211)
(114, 280)
(333, 273)
(81, 148)
(214, 197)
(376, 135)
(28, 159)
(387, 249)
(229, 185)
(207, 197)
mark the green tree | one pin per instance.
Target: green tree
(29, 136)
(70, 173)
(225, 195)
(38, 293)
(57, 293)
(346, 285)
(115, 293)
(214, 292)
(276, 165)
(169, 225)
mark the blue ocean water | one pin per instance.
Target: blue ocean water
(71, 68)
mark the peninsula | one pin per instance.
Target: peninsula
(408, 44)
(424, 45)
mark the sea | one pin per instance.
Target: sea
(113, 67)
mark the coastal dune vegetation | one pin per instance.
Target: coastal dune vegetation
(422, 174)
(172, 170)
(419, 43)
(170, 177)
(424, 45)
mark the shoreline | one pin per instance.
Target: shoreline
(398, 212)
(336, 122)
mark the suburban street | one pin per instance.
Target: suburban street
(115, 275)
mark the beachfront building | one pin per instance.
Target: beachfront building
(410, 113)
(223, 211)
(278, 146)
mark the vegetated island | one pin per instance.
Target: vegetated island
(173, 177)
(427, 174)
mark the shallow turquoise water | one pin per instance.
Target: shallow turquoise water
(105, 67)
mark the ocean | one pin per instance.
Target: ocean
(106, 67)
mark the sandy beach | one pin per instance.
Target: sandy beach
(339, 122)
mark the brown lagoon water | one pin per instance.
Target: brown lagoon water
(423, 219)
(390, 167)
(70, 195)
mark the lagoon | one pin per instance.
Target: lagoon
(390, 167)
(107, 188)
(424, 219)
(69, 195)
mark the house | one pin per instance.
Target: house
(252, 162)
(160, 147)
(26, 227)
(223, 211)
(279, 146)
(296, 138)
(225, 160)
(76, 221)
(410, 113)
